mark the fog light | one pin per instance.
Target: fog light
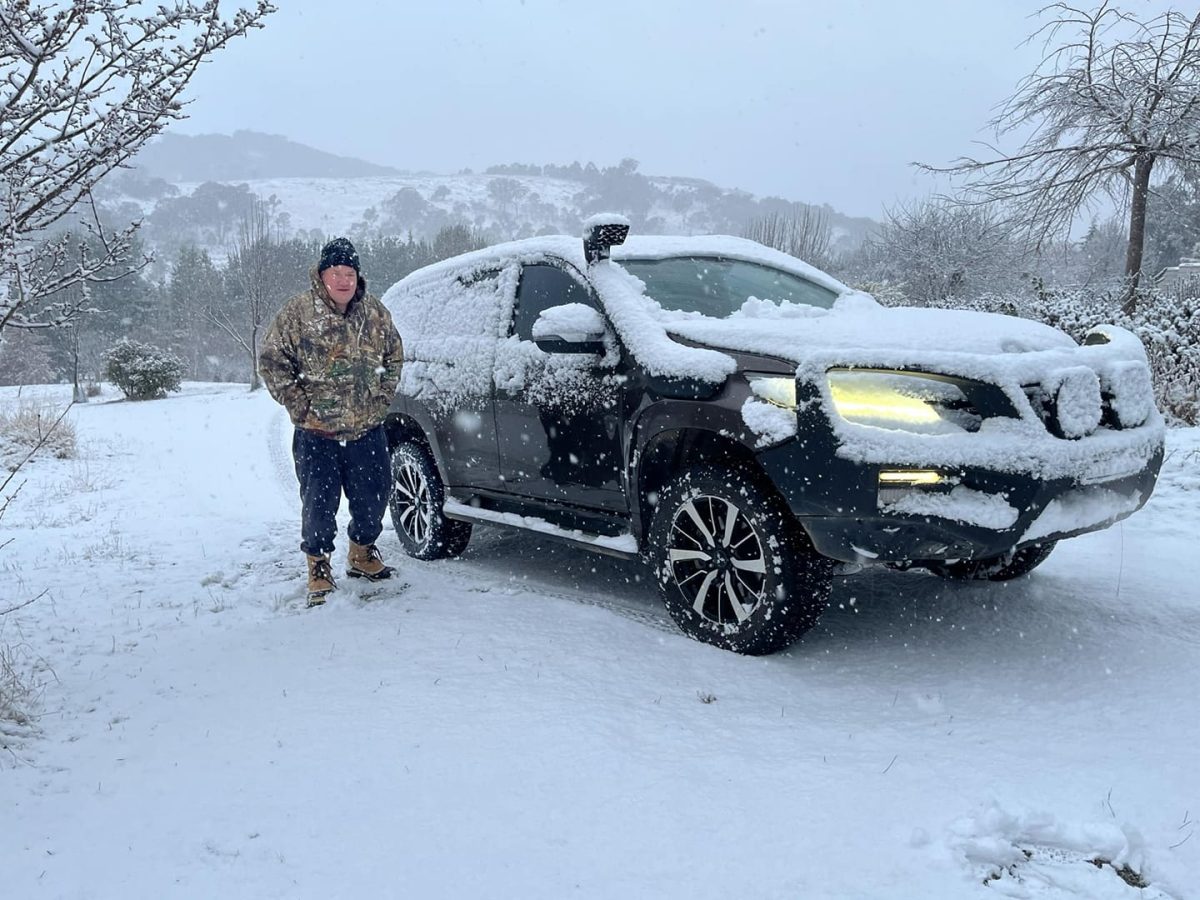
(909, 477)
(897, 483)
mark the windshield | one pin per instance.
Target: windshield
(718, 287)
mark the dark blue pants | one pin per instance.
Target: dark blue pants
(326, 468)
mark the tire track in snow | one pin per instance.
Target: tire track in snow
(479, 574)
(277, 449)
(501, 552)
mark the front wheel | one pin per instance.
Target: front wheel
(734, 568)
(416, 506)
(1004, 567)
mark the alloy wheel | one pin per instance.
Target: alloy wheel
(411, 501)
(717, 559)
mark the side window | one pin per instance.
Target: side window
(541, 287)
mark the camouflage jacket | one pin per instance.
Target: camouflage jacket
(334, 373)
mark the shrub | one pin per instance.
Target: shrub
(29, 425)
(1169, 326)
(18, 690)
(142, 371)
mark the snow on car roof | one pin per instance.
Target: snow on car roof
(636, 317)
(570, 249)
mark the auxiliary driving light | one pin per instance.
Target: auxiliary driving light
(897, 483)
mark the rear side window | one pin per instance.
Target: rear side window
(468, 304)
(542, 286)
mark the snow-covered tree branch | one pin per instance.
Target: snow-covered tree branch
(1113, 100)
(83, 86)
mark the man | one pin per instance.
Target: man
(332, 357)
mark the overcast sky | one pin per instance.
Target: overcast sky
(824, 102)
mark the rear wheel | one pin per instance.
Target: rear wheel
(734, 568)
(416, 506)
(1005, 567)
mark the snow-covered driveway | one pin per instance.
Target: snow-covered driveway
(525, 721)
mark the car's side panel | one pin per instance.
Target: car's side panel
(558, 415)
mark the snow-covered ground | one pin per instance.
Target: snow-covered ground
(526, 722)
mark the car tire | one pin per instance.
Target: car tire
(734, 568)
(1005, 567)
(416, 506)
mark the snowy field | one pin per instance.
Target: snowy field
(526, 722)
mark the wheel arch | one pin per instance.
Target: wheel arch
(671, 451)
(401, 426)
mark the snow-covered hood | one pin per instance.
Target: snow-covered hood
(1016, 355)
(857, 324)
(857, 331)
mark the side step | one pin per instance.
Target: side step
(623, 546)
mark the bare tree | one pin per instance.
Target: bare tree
(1112, 99)
(83, 86)
(804, 234)
(939, 250)
(253, 269)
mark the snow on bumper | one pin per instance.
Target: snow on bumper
(1022, 488)
(1085, 509)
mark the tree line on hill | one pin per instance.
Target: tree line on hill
(210, 313)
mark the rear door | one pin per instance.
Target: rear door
(449, 369)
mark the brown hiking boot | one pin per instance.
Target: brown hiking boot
(320, 579)
(364, 561)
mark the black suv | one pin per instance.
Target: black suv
(745, 421)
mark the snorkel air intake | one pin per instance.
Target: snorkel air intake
(601, 233)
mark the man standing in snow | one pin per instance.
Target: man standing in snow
(332, 357)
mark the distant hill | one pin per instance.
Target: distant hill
(245, 156)
(196, 190)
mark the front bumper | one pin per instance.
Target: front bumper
(980, 513)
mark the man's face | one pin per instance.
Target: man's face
(341, 282)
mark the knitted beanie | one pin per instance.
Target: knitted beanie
(338, 252)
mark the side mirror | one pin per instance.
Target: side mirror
(570, 328)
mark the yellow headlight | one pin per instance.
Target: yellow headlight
(892, 400)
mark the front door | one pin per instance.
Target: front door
(558, 415)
